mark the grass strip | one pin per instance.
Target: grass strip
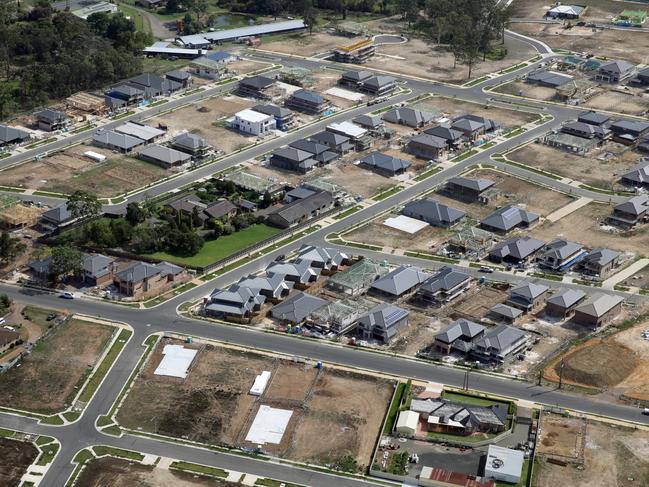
(424, 255)
(387, 193)
(427, 174)
(200, 469)
(394, 408)
(476, 81)
(348, 212)
(40, 143)
(103, 450)
(49, 452)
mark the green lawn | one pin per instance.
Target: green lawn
(471, 400)
(139, 19)
(222, 247)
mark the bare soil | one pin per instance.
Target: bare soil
(455, 107)
(528, 90)
(601, 167)
(476, 304)
(16, 456)
(47, 379)
(585, 226)
(561, 437)
(632, 102)
(639, 279)
(418, 335)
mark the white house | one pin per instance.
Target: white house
(251, 122)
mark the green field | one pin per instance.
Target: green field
(139, 19)
(222, 247)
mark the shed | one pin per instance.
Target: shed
(407, 423)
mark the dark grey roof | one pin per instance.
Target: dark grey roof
(384, 316)
(10, 134)
(517, 247)
(127, 90)
(219, 209)
(486, 122)
(292, 154)
(114, 139)
(164, 154)
(593, 118)
(617, 66)
(329, 138)
(633, 126)
(296, 308)
(273, 110)
(460, 328)
(300, 193)
(386, 162)
(51, 116)
(408, 116)
(377, 82)
(445, 132)
(400, 280)
(638, 174)
(357, 75)
(636, 205)
(429, 140)
(155, 82)
(601, 257)
(600, 304)
(549, 78)
(566, 298)
(257, 82)
(501, 338)
(446, 279)
(184, 75)
(433, 212)
(560, 249)
(328, 257)
(143, 270)
(508, 217)
(529, 290)
(368, 121)
(309, 146)
(96, 264)
(190, 141)
(304, 207)
(308, 97)
(59, 214)
(584, 128)
(301, 270)
(506, 311)
(478, 184)
(41, 266)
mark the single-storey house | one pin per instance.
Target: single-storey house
(508, 218)
(319, 152)
(301, 210)
(504, 313)
(116, 141)
(11, 136)
(164, 156)
(234, 302)
(567, 12)
(433, 213)
(398, 282)
(337, 143)
(408, 116)
(297, 308)
(299, 273)
(385, 164)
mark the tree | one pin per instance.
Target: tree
(66, 261)
(10, 247)
(439, 13)
(82, 204)
(135, 213)
(409, 10)
(310, 15)
(267, 200)
(217, 228)
(183, 243)
(5, 304)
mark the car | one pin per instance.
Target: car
(280, 257)
(2, 321)
(645, 411)
(67, 295)
(51, 316)
(486, 269)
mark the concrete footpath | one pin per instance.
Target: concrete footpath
(625, 274)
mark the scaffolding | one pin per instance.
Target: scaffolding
(297, 76)
(358, 277)
(15, 215)
(356, 53)
(252, 182)
(340, 315)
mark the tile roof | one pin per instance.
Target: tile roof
(433, 212)
(296, 308)
(400, 280)
(566, 298)
(599, 304)
(385, 162)
(509, 217)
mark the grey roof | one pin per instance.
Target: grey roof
(400, 280)
(184, 75)
(506, 311)
(302, 271)
(486, 122)
(273, 110)
(309, 146)
(127, 90)
(577, 127)
(253, 30)
(308, 97)
(638, 174)
(236, 300)
(368, 121)
(190, 141)
(186, 204)
(328, 257)
(617, 66)
(275, 283)
(384, 316)
(330, 138)
(601, 256)
(96, 264)
(219, 56)
(165, 154)
(500, 338)
(566, 298)
(257, 82)
(433, 212)
(155, 82)
(529, 290)
(475, 184)
(385, 162)
(460, 328)
(301, 208)
(593, 118)
(445, 279)
(509, 217)
(636, 205)
(633, 126)
(10, 134)
(599, 305)
(445, 132)
(300, 192)
(549, 78)
(429, 140)
(140, 131)
(408, 116)
(357, 75)
(467, 124)
(50, 115)
(143, 270)
(219, 209)
(468, 415)
(58, 214)
(41, 266)
(296, 308)
(293, 154)
(560, 249)
(377, 82)
(517, 247)
(114, 139)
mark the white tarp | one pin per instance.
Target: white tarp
(95, 156)
(175, 361)
(269, 425)
(345, 94)
(261, 381)
(405, 224)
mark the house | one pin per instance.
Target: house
(560, 254)
(382, 322)
(293, 159)
(452, 136)
(337, 143)
(459, 336)
(308, 102)
(192, 144)
(144, 132)
(116, 141)
(433, 213)
(370, 122)
(51, 120)
(301, 210)
(358, 52)
(594, 118)
(427, 146)
(600, 262)
(638, 176)
(58, 216)
(319, 152)
(629, 131)
(299, 273)
(444, 286)
(598, 310)
(254, 123)
(615, 71)
(469, 190)
(339, 316)
(499, 344)
(354, 78)
(436, 477)
(143, 280)
(358, 278)
(408, 116)
(385, 164)
(97, 269)
(164, 156)
(322, 257)
(568, 12)
(191, 207)
(529, 297)
(155, 85)
(211, 66)
(182, 77)
(273, 288)
(8, 339)
(11, 136)
(571, 143)
(548, 79)
(563, 303)
(504, 464)
(124, 96)
(379, 85)
(283, 116)
(473, 126)
(398, 282)
(358, 136)
(251, 182)
(443, 416)
(504, 313)
(234, 302)
(298, 193)
(256, 87)
(641, 78)
(296, 308)
(515, 250)
(508, 218)
(631, 212)
(220, 210)
(643, 145)
(586, 130)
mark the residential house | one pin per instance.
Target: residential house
(97, 269)
(59, 216)
(629, 131)
(442, 416)
(515, 250)
(571, 143)
(8, 339)
(164, 156)
(235, 302)
(143, 280)
(144, 132)
(10, 136)
(641, 78)
(615, 71)
(192, 144)
(594, 118)
(337, 143)
(297, 308)
(499, 344)
(638, 176)
(398, 282)
(51, 120)
(357, 135)
(354, 78)
(379, 85)
(358, 278)
(459, 336)
(182, 77)
(560, 254)
(301, 210)
(598, 310)
(643, 145)
(565, 12)
(256, 87)
(600, 262)
(220, 210)
(504, 313)
(319, 152)
(548, 79)
(382, 322)
(116, 141)
(529, 297)
(427, 146)
(284, 117)
(293, 159)
(473, 126)
(433, 213)
(154, 85)
(337, 317)
(385, 164)
(254, 123)
(298, 193)
(370, 122)
(124, 96)
(408, 116)
(299, 273)
(469, 190)
(324, 258)
(190, 207)
(444, 286)
(274, 288)
(452, 136)
(308, 102)
(586, 130)
(563, 303)
(212, 65)
(508, 218)
(633, 211)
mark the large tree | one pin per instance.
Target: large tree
(66, 261)
(82, 204)
(10, 247)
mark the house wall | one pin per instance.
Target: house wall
(588, 320)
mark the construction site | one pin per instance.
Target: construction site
(16, 456)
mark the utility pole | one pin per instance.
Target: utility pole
(561, 373)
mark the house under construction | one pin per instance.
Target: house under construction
(356, 53)
(359, 277)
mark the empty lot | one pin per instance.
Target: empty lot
(16, 457)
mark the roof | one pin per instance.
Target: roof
(561, 249)
(509, 217)
(127, 90)
(296, 308)
(253, 30)
(460, 328)
(164, 154)
(252, 116)
(408, 116)
(400, 280)
(371, 121)
(386, 162)
(330, 138)
(566, 298)
(51, 116)
(600, 304)
(143, 132)
(8, 336)
(177, 74)
(96, 264)
(308, 97)
(636, 205)
(143, 270)
(593, 117)
(273, 110)
(445, 279)
(377, 82)
(309, 146)
(586, 128)
(601, 256)
(347, 128)
(357, 75)
(432, 212)
(504, 461)
(517, 247)
(219, 209)
(429, 140)
(301, 208)
(567, 9)
(323, 255)
(292, 154)
(155, 82)
(58, 214)
(636, 126)
(257, 82)
(445, 132)
(299, 193)
(549, 78)
(121, 141)
(501, 337)
(219, 56)
(301, 270)
(384, 316)
(638, 174)
(617, 66)
(529, 290)
(506, 311)
(10, 134)
(190, 141)
(479, 184)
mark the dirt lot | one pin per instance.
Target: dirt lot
(30, 322)
(562, 438)
(206, 118)
(639, 279)
(417, 335)
(520, 88)
(613, 456)
(16, 456)
(588, 226)
(212, 404)
(601, 167)
(69, 170)
(632, 102)
(476, 304)
(308, 44)
(113, 472)
(47, 379)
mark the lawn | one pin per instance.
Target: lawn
(471, 400)
(141, 22)
(222, 247)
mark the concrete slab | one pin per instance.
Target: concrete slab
(569, 208)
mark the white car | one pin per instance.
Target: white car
(68, 295)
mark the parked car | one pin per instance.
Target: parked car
(68, 295)
(486, 269)
(50, 317)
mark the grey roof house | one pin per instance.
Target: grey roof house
(408, 116)
(638, 175)
(615, 71)
(433, 213)
(504, 313)
(57, 216)
(11, 136)
(300, 273)
(385, 164)
(500, 344)
(301, 210)
(514, 250)
(164, 156)
(293, 159)
(508, 218)
(444, 286)
(297, 308)
(236, 301)
(630, 212)
(598, 310)
(459, 336)
(399, 281)
(564, 302)
(382, 322)
(560, 254)
(273, 287)
(528, 297)
(116, 141)
(192, 144)
(426, 146)
(600, 262)
(322, 257)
